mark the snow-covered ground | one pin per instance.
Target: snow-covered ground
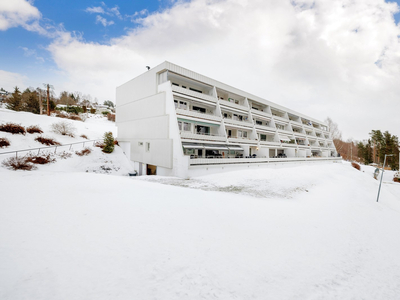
(306, 232)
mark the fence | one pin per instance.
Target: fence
(50, 147)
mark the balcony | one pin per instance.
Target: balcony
(285, 131)
(241, 140)
(261, 113)
(282, 119)
(196, 114)
(233, 105)
(289, 145)
(237, 122)
(220, 161)
(204, 137)
(270, 143)
(179, 90)
(265, 128)
(299, 134)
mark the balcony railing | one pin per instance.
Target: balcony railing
(214, 161)
(299, 133)
(281, 119)
(261, 113)
(237, 122)
(242, 140)
(198, 136)
(233, 105)
(267, 128)
(270, 143)
(188, 92)
(285, 131)
(192, 113)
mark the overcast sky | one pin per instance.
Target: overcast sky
(336, 58)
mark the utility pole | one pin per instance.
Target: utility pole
(40, 101)
(383, 170)
(48, 86)
(48, 100)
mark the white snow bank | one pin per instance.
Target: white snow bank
(307, 232)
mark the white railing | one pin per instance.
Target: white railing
(289, 145)
(198, 136)
(188, 92)
(233, 105)
(285, 131)
(242, 140)
(270, 143)
(299, 134)
(280, 119)
(55, 147)
(215, 161)
(192, 113)
(237, 122)
(266, 128)
(261, 113)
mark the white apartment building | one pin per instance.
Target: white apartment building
(175, 122)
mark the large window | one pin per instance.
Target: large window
(184, 126)
(199, 109)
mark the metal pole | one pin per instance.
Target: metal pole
(383, 170)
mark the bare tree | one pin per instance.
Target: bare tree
(336, 134)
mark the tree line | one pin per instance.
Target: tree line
(34, 100)
(371, 150)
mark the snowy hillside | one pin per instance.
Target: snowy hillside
(306, 232)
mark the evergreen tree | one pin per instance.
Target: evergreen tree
(15, 101)
(32, 103)
(108, 142)
(386, 144)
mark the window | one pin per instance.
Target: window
(192, 89)
(258, 122)
(140, 144)
(184, 86)
(147, 147)
(180, 125)
(199, 109)
(279, 126)
(176, 103)
(186, 126)
(175, 84)
(225, 115)
(182, 105)
(245, 134)
(263, 137)
(239, 133)
(202, 129)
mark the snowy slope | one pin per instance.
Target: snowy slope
(307, 232)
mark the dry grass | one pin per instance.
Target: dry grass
(63, 128)
(84, 136)
(4, 142)
(99, 144)
(47, 141)
(34, 129)
(18, 163)
(83, 152)
(356, 166)
(64, 155)
(12, 128)
(40, 159)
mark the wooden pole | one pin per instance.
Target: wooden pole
(48, 100)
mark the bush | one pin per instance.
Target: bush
(111, 117)
(18, 163)
(46, 141)
(108, 142)
(92, 111)
(105, 113)
(74, 117)
(63, 128)
(4, 142)
(40, 159)
(356, 166)
(34, 129)
(12, 128)
(99, 144)
(83, 152)
(84, 136)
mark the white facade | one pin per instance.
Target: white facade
(174, 122)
